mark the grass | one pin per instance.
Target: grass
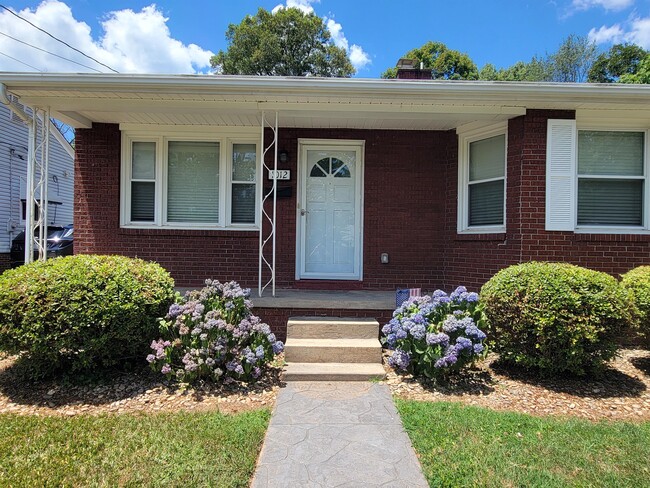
(179, 449)
(469, 446)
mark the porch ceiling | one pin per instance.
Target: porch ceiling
(80, 100)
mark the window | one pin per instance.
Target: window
(244, 173)
(189, 182)
(143, 181)
(596, 178)
(482, 177)
(193, 182)
(611, 178)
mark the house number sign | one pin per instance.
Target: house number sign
(280, 174)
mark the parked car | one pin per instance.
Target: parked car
(59, 243)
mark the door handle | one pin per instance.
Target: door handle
(303, 212)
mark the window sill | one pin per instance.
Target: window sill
(612, 230)
(611, 236)
(481, 236)
(189, 231)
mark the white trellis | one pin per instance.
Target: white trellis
(268, 216)
(36, 198)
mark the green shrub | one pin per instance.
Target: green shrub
(83, 312)
(638, 282)
(555, 317)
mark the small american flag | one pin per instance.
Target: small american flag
(404, 294)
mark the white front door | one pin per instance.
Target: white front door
(329, 214)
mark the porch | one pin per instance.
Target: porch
(276, 310)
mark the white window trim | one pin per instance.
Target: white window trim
(464, 140)
(610, 229)
(226, 138)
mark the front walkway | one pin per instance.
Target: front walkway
(336, 435)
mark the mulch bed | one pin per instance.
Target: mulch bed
(141, 391)
(622, 392)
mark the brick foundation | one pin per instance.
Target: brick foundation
(5, 262)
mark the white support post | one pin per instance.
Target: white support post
(37, 185)
(268, 217)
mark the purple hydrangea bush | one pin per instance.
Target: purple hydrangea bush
(434, 335)
(212, 334)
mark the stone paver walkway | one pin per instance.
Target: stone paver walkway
(336, 434)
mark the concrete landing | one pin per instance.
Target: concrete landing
(343, 434)
(334, 372)
(327, 299)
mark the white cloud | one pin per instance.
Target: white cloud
(131, 42)
(639, 32)
(614, 5)
(358, 57)
(605, 35)
(338, 37)
(635, 31)
(304, 5)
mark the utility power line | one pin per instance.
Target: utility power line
(48, 52)
(21, 62)
(56, 38)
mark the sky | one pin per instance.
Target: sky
(174, 36)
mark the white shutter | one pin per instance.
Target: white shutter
(560, 174)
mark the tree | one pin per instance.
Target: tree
(573, 59)
(537, 69)
(620, 60)
(642, 74)
(444, 63)
(286, 43)
(571, 63)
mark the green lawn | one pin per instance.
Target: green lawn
(180, 449)
(469, 446)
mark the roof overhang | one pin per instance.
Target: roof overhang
(211, 100)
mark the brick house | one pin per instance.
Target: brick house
(390, 183)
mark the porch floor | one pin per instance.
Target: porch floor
(323, 299)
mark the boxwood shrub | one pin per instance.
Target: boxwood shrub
(638, 282)
(83, 312)
(556, 317)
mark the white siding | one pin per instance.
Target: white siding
(13, 168)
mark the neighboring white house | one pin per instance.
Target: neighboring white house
(13, 166)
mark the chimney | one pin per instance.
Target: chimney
(406, 70)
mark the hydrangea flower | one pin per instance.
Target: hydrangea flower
(278, 347)
(434, 334)
(211, 333)
(399, 359)
(437, 339)
(418, 331)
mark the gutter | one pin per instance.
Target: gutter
(13, 106)
(264, 85)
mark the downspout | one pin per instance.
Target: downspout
(13, 106)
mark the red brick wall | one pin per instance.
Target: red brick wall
(403, 213)
(410, 209)
(473, 259)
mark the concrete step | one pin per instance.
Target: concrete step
(334, 372)
(332, 350)
(332, 328)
